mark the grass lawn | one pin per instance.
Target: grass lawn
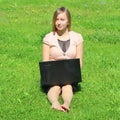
(23, 23)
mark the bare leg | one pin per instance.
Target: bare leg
(67, 94)
(53, 96)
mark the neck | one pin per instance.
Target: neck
(63, 35)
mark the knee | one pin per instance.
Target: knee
(67, 87)
(56, 88)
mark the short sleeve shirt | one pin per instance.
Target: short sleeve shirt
(56, 53)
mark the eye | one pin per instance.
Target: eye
(62, 19)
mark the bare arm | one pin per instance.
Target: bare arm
(45, 52)
(80, 53)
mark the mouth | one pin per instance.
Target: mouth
(59, 26)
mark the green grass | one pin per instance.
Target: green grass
(23, 23)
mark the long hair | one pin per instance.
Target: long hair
(56, 13)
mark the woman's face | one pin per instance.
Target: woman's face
(61, 21)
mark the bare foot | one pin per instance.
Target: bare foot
(65, 106)
(57, 106)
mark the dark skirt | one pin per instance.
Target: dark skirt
(75, 86)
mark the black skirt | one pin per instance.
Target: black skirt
(75, 86)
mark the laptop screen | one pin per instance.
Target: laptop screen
(60, 72)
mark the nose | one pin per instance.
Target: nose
(59, 21)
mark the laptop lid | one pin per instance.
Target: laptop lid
(60, 72)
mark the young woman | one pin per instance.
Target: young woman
(62, 43)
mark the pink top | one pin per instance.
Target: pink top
(56, 52)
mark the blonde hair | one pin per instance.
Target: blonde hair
(56, 13)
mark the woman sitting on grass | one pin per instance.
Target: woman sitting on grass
(62, 43)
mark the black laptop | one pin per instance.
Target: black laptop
(60, 72)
